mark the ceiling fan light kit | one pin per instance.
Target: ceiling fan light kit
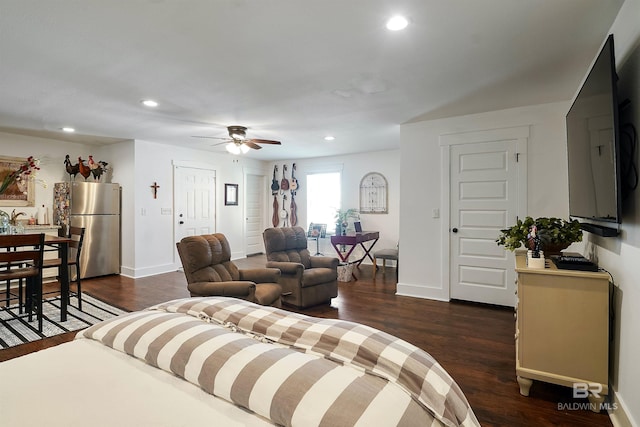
(237, 148)
(239, 144)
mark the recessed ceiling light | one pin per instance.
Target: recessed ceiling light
(149, 103)
(397, 23)
(68, 129)
(329, 138)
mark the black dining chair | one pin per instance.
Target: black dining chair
(75, 248)
(21, 259)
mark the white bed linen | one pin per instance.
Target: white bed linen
(83, 383)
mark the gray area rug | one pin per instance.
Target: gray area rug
(15, 330)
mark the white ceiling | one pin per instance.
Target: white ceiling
(291, 70)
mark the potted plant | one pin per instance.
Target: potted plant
(555, 234)
(342, 219)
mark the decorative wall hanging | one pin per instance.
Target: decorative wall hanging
(92, 168)
(17, 179)
(284, 192)
(373, 194)
(231, 194)
(155, 187)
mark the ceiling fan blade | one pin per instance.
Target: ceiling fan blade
(211, 137)
(263, 141)
(252, 145)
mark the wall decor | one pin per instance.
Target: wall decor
(17, 179)
(231, 194)
(155, 187)
(374, 198)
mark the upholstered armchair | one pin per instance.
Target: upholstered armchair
(207, 264)
(306, 280)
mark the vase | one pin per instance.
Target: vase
(555, 248)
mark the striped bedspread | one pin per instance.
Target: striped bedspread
(292, 369)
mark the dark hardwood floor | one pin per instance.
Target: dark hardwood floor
(473, 342)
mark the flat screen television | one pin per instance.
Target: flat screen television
(593, 146)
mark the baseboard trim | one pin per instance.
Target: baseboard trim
(421, 291)
(620, 415)
(147, 271)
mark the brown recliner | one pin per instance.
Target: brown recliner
(207, 264)
(306, 280)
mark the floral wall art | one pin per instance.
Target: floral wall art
(17, 181)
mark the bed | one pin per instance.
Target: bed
(234, 363)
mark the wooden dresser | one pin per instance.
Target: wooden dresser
(562, 329)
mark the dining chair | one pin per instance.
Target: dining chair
(21, 258)
(75, 248)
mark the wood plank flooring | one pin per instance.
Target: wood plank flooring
(473, 342)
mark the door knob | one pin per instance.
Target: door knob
(455, 230)
(181, 222)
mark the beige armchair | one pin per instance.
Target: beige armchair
(207, 264)
(306, 280)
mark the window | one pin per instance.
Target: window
(323, 199)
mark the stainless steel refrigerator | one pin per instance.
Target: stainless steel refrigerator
(96, 207)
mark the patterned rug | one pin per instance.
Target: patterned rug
(15, 330)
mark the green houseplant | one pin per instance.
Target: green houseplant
(342, 218)
(555, 234)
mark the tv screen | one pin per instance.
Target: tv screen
(593, 144)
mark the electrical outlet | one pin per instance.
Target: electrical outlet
(435, 213)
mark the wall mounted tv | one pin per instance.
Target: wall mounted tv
(593, 148)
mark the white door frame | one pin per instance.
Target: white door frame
(520, 133)
(261, 173)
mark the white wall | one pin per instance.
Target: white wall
(620, 255)
(353, 168)
(121, 158)
(52, 169)
(421, 192)
(154, 233)
(547, 196)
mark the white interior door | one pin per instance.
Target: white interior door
(486, 188)
(194, 199)
(254, 213)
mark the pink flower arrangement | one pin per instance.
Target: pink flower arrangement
(21, 176)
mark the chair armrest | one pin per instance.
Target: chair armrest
(287, 268)
(324, 261)
(234, 288)
(260, 275)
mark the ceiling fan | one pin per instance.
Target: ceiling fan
(238, 143)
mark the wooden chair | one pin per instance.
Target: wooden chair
(75, 248)
(21, 258)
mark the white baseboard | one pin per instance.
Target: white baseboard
(620, 417)
(147, 271)
(421, 291)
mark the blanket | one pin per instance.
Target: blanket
(292, 369)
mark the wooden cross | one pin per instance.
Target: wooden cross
(155, 187)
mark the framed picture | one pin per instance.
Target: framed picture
(231, 194)
(15, 194)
